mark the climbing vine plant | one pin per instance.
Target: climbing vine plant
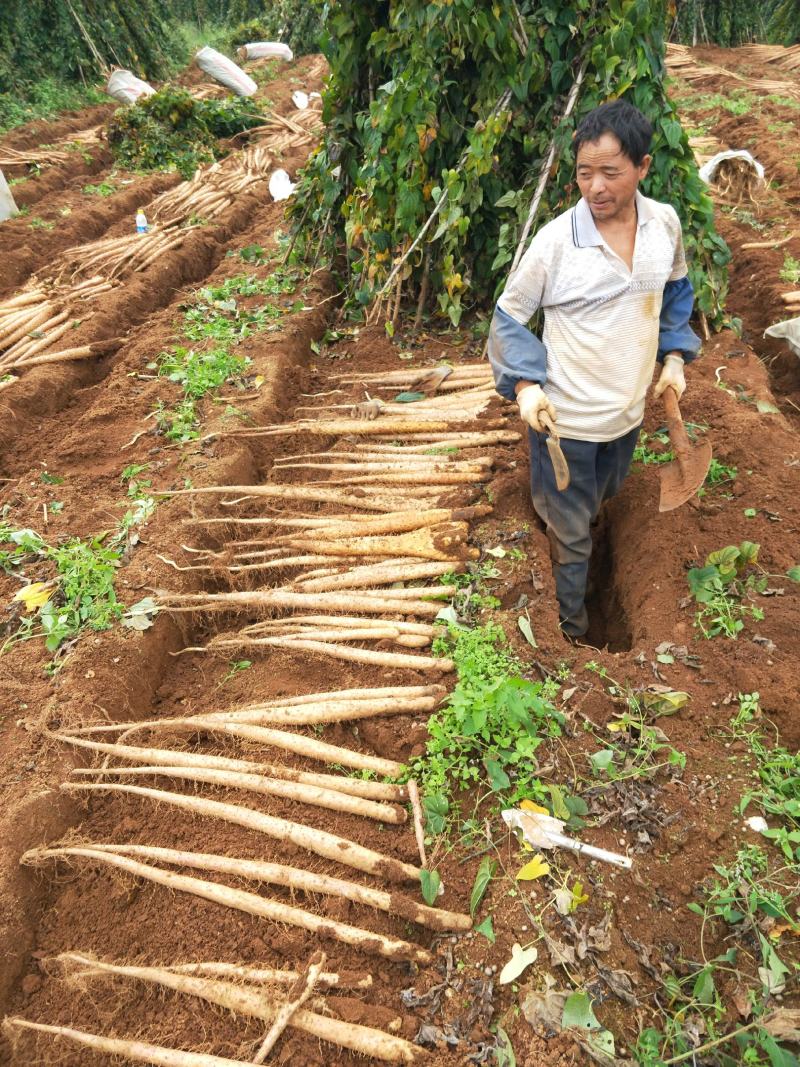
(450, 106)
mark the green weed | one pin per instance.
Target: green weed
(737, 103)
(637, 748)
(178, 424)
(488, 732)
(720, 473)
(646, 455)
(79, 596)
(236, 667)
(784, 101)
(38, 223)
(250, 254)
(44, 99)
(721, 588)
(778, 772)
(104, 188)
(747, 218)
(200, 372)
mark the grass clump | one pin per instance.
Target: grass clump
(790, 271)
(45, 99)
(171, 130)
(487, 734)
(201, 372)
(104, 188)
(78, 596)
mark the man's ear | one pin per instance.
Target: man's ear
(644, 166)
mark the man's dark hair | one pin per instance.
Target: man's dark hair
(626, 122)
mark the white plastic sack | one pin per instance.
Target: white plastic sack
(281, 185)
(7, 206)
(302, 100)
(225, 71)
(709, 169)
(788, 331)
(265, 50)
(124, 86)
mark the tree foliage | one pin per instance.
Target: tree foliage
(784, 26)
(728, 23)
(43, 38)
(455, 103)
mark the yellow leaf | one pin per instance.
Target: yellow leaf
(258, 381)
(535, 868)
(528, 805)
(779, 929)
(34, 596)
(578, 896)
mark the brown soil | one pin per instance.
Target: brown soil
(80, 424)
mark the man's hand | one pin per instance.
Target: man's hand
(671, 375)
(532, 403)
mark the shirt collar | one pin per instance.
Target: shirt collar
(585, 233)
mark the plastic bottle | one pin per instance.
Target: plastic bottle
(142, 226)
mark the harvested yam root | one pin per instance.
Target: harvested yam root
(168, 757)
(137, 1051)
(283, 739)
(294, 878)
(270, 976)
(325, 647)
(383, 602)
(447, 542)
(331, 847)
(239, 999)
(256, 783)
(241, 900)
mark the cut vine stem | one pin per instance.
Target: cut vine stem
(501, 104)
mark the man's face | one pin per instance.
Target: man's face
(607, 178)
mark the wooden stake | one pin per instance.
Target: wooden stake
(416, 808)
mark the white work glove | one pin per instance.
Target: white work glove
(532, 402)
(672, 375)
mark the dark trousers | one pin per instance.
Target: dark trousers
(596, 470)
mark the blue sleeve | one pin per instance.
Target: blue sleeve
(675, 334)
(516, 354)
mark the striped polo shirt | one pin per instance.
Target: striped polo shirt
(601, 320)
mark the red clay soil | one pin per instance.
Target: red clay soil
(769, 130)
(79, 425)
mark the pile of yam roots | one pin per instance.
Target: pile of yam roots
(341, 550)
(61, 296)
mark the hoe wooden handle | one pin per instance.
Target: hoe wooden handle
(677, 433)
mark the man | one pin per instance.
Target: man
(610, 276)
